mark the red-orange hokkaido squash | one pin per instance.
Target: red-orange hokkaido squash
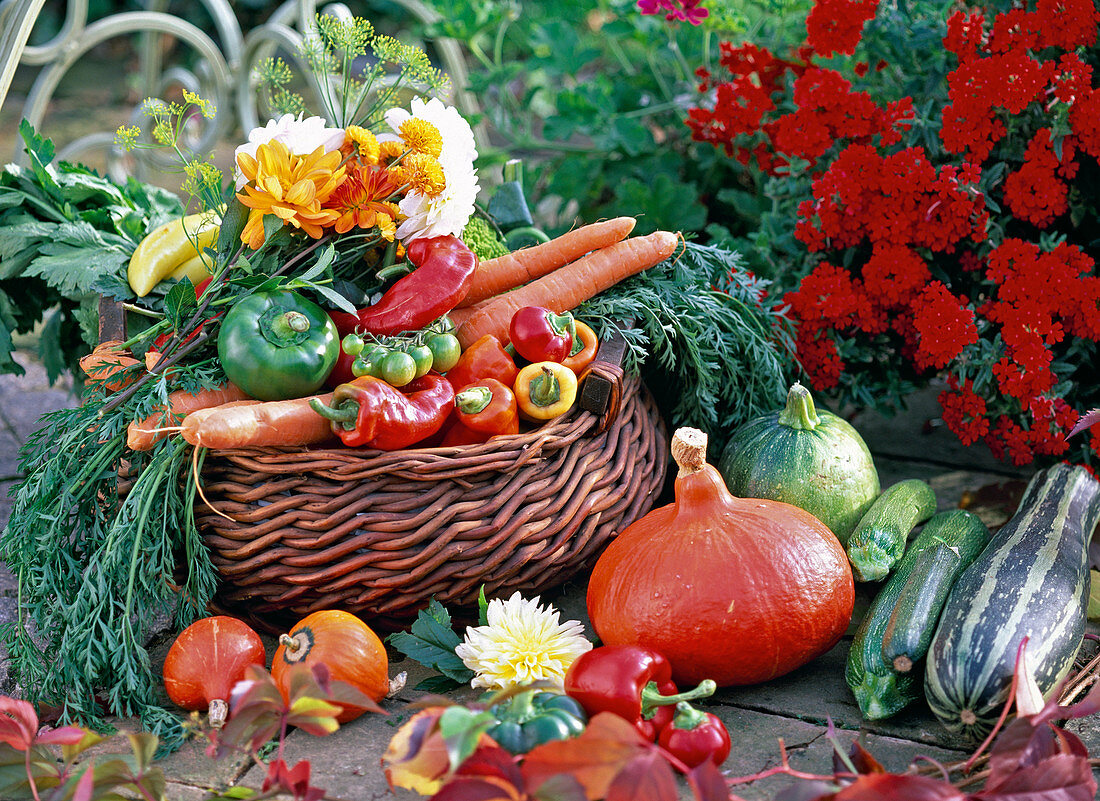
(730, 589)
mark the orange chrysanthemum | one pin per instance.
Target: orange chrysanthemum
(420, 136)
(390, 150)
(293, 188)
(421, 173)
(362, 201)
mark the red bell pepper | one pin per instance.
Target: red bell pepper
(444, 269)
(694, 736)
(489, 407)
(630, 681)
(369, 413)
(539, 335)
(486, 358)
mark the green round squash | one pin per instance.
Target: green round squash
(810, 459)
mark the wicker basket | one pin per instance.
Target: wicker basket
(380, 533)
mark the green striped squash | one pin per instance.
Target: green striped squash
(1032, 581)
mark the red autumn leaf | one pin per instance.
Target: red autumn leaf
(895, 787)
(85, 786)
(1087, 420)
(647, 777)
(18, 723)
(562, 787)
(66, 735)
(1064, 777)
(416, 757)
(708, 783)
(479, 788)
(861, 759)
(595, 758)
(490, 760)
(293, 780)
(807, 790)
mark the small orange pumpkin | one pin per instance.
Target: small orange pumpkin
(345, 645)
(206, 660)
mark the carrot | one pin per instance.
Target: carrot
(463, 313)
(105, 361)
(255, 424)
(494, 276)
(141, 435)
(570, 286)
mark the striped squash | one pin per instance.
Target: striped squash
(1032, 580)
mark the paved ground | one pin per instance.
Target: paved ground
(795, 708)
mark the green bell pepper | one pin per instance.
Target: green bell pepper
(533, 718)
(277, 345)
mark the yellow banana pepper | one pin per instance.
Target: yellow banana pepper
(198, 268)
(168, 247)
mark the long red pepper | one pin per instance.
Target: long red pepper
(444, 269)
(369, 413)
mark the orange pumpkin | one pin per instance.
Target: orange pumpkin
(730, 589)
(206, 660)
(345, 645)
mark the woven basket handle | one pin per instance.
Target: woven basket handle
(602, 388)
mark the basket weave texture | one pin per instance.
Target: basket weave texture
(380, 533)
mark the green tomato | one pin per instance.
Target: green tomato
(423, 357)
(398, 368)
(352, 344)
(446, 351)
(277, 345)
(360, 368)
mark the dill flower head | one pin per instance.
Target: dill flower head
(293, 188)
(521, 643)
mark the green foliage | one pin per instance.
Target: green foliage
(594, 103)
(716, 347)
(63, 230)
(431, 641)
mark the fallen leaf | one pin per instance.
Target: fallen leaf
(1065, 777)
(897, 787)
(595, 758)
(416, 757)
(647, 777)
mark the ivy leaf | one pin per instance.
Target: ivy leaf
(431, 641)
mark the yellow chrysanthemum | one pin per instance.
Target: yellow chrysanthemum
(421, 136)
(522, 643)
(362, 201)
(293, 188)
(421, 173)
(390, 150)
(366, 143)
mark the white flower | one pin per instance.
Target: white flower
(522, 643)
(448, 212)
(300, 136)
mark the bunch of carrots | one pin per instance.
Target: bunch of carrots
(558, 275)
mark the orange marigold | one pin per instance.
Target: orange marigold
(293, 188)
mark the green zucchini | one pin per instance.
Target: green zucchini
(1032, 581)
(878, 542)
(954, 540)
(899, 614)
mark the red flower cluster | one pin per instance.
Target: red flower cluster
(919, 236)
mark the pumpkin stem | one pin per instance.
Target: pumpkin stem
(800, 412)
(689, 449)
(217, 712)
(297, 645)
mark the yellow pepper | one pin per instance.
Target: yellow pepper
(168, 247)
(545, 390)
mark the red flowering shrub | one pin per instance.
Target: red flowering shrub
(956, 239)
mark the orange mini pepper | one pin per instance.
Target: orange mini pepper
(545, 390)
(486, 358)
(488, 406)
(585, 345)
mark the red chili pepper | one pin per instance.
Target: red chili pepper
(539, 335)
(457, 434)
(163, 339)
(444, 269)
(486, 358)
(694, 736)
(369, 413)
(489, 407)
(630, 681)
